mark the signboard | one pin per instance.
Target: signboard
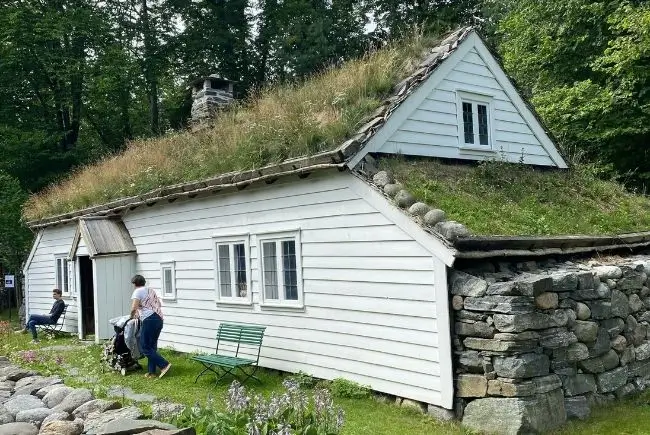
(9, 281)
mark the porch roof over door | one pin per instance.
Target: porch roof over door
(103, 236)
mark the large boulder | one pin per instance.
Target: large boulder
(22, 403)
(96, 421)
(56, 416)
(13, 373)
(514, 416)
(124, 426)
(74, 400)
(18, 429)
(97, 405)
(60, 427)
(56, 395)
(34, 416)
(35, 385)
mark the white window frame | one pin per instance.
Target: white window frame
(278, 237)
(475, 99)
(231, 240)
(172, 266)
(62, 268)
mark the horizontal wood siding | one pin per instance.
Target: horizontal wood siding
(41, 278)
(432, 128)
(370, 305)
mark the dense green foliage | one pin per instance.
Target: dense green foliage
(514, 199)
(586, 65)
(14, 237)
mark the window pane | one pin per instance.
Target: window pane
(223, 264)
(468, 123)
(289, 270)
(482, 125)
(240, 270)
(270, 271)
(64, 266)
(168, 287)
(59, 261)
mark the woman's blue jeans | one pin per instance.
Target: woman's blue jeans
(149, 333)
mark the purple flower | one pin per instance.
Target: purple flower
(237, 400)
(28, 356)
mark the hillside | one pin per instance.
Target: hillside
(496, 198)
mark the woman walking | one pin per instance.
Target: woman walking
(146, 305)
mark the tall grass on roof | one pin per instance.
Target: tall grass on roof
(283, 122)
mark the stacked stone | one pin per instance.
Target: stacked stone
(429, 217)
(31, 404)
(207, 102)
(532, 349)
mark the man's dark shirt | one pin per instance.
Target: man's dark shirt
(57, 310)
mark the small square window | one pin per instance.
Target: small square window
(233, 270)
(474, 113)
(281, 276)
(168, 280)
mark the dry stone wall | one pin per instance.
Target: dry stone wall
(536, 343)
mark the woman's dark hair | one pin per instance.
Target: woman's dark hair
(57, 291)
(138, 280)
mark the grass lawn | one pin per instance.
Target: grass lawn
(363, 416)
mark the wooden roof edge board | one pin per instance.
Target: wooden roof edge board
(499, 246)
(547, 252)
(71, 217)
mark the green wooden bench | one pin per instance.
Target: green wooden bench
(248, 335)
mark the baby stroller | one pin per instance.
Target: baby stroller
(122, 352)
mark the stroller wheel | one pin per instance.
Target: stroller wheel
(123, 371)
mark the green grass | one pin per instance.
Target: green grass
(282, 122)
(628, 417)
(497, 198)
(363, 416)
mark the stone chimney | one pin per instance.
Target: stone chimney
(209, 95)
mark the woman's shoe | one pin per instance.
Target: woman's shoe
(150, 375)
(165, 370)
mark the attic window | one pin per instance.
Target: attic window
(475, 119)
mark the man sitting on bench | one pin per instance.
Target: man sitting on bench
(45, 319)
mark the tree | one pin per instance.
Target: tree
(585, 65)
(15, 238)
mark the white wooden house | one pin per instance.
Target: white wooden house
(348, 284)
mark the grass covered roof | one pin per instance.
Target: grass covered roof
(282, 122)
(498, 198)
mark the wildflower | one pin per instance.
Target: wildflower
(58, 360)
(237, 400)
(285, 429)
(340, 419)
(28, 356)
(252, 429)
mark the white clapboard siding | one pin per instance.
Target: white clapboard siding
(40, 273)
(371, 309)
(432, 129)
(427, 123)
